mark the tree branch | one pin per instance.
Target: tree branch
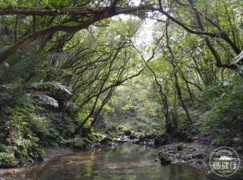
(69, 29)
(112, 8)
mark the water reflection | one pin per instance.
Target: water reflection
(124, 162)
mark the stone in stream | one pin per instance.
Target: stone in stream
(106, 141)
(175, 161)
(165, 157)
(198, 156)
(133, 137)
(127, 133)
(188, 157)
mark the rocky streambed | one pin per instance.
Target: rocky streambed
(193, 154)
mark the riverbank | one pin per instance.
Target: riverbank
(195, 155)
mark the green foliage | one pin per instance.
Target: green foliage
(225, 117)
(7, 160)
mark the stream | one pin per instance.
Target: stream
(122, 162)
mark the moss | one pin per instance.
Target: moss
(180, 147)
(163, 155)
(98, 137)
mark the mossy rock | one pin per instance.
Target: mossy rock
(180, 147)
(127, 132)
(164, 154)
(164, 157)
(98, 137)
(106, 141)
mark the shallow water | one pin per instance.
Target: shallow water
(123, 162)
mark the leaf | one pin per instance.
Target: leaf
(238, 58)
(222, 97)
(58, 85)
(182, 9)
(7, 65)
(47, 99)
(52, 83)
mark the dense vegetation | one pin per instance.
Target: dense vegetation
(72, 69)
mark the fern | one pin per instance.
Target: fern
(47, 99)
(51, 83)
(238, 58)
(59, 86)
(58, 56)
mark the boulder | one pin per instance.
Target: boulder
(180, 147)
(133, 137)
(127, 132)
(106, 141)
(165, 157)
(198, 156)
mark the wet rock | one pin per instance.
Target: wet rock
(165, 157)
(97, 144)
(175, 161)
(127, 132)
(136, 142)
(177, 155)
(180, 147)
(133, 137)
(106, 141)
(198, 156)
(182, 161)
(188, 157)
(142, 138)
